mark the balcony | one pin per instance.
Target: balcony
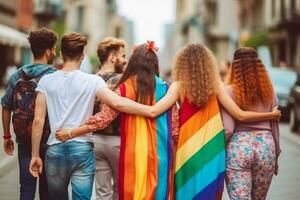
(48, 10)
(111, 6)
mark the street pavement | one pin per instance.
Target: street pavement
(285, 186)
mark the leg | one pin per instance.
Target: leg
(82, 163)
(43, 185)
(264, 165)
(27, 181)
(57, 171)
(103, 176)
(114, 153)
(238, 169)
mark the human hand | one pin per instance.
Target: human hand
(62, 134)
(36, 166)
(276, 167)
(8, 146)
(276, 113)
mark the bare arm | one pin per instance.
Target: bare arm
(241, 115)
(6, 113)
(128, 106)
(167, 101)
(99, 121)
(38, 123)
(123, 104)
(8, 143)
(36, 164)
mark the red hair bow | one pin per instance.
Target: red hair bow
(151, 46)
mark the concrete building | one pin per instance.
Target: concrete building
(221, 27)
(280, 20)
(46, 11)
(97, 19)
(210, 22)
(285, 32)
(15, 16)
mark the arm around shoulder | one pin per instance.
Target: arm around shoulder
(240, 115)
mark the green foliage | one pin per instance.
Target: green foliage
(59, 27)
(95, 62)
(258, 39)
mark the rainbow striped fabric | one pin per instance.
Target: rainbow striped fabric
(145, 170)
(200, 153)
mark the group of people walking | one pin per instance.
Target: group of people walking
(132, 134)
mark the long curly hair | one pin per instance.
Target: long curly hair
(249, 79)
(196, 70)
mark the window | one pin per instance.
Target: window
(80, 18)
(273, 8)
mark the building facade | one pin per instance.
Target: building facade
(97, 20)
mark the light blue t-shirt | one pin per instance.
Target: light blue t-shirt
(70, 100)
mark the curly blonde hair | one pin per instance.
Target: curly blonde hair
(196, 71)
(250, 80)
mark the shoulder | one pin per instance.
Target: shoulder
(94, 77)
(96, 80)
(49, 76)
(114, 79)
(229, 89)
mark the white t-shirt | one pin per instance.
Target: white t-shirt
(70, 100)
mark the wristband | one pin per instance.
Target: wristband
(7, 136)
(69, 133)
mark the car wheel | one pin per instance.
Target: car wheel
(294, 124)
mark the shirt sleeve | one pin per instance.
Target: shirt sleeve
(7, 99)
(103, 118)
(175, 124)
(99, 83)
(41, 86)
(275, 129)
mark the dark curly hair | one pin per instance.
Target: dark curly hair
(249, 79)
(40, 40)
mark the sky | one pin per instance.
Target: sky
(149, 17)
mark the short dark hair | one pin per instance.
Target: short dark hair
(72, 45)
(40, 40)
(107, 46)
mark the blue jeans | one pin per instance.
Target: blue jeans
(70, 161)
(27, 181)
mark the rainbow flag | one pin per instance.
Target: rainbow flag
(145, 170)
(200, 153)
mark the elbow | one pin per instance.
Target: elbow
(241, 117)
(117, 105)
(152, 114)
(37, 122)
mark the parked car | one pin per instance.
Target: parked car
(283, 80)
(294, 102)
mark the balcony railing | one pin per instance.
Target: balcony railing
(48, 9)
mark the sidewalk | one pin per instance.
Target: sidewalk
(284, 186)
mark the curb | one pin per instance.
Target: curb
(7, 163)
(292, 137)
